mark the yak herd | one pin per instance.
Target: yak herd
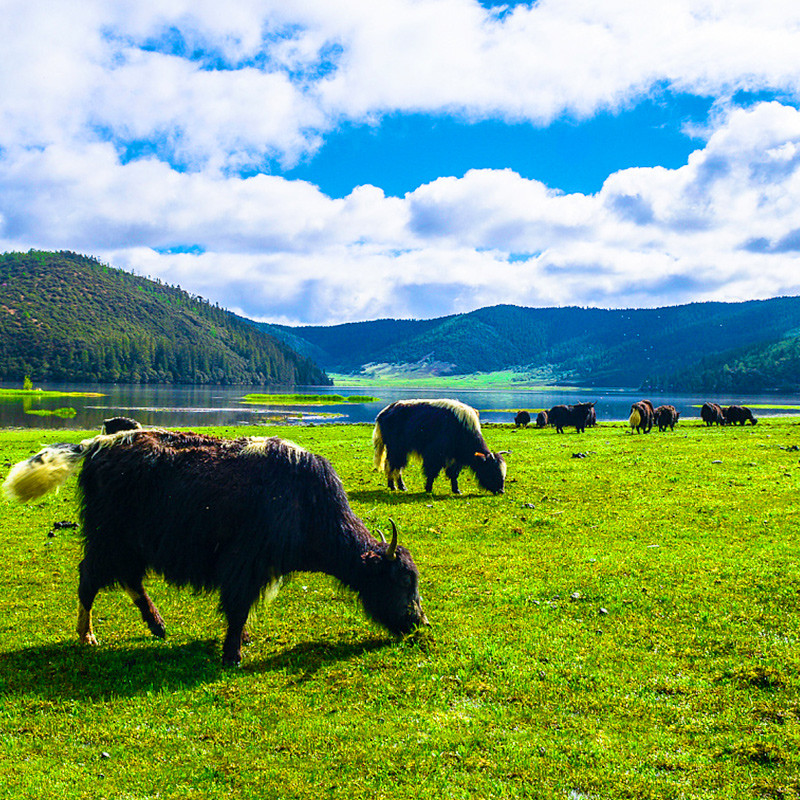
(235, 516)
(643, 417)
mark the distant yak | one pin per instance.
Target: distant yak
(230, 516)
(579, 415)
(541, 419)
(666, 416)
(522, 420)
(738, 414)
(712, 414)
(445, 434)
(117, 424)
(642, 416)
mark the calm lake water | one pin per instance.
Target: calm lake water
(186, 406)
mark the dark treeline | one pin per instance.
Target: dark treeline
(741, 347)
(65, 317)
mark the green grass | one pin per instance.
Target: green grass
(305, 399)
(622, 625)
(480, 380)
(41, 393)
(65, 413)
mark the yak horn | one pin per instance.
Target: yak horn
(380, 533)
(391, 552)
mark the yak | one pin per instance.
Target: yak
(641, 417)
(580, 415)
(666, 417)
(228, 516)
(445, 434)
(541, 419)
(117, 424)
(738, 414)
(522, 420)
(712, 414)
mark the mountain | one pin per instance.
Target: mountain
(675, 347)
(67, 317)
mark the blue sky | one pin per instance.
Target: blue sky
(336, 160)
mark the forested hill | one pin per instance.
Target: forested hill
(66, 317)
(700, 346)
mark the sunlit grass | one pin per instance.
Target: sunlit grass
(305, 399)
(621, 625)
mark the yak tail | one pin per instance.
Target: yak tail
(44, 472)
(380, 448)
(635, 419)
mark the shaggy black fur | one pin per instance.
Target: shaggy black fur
(443, 436)
(738, 414)
(580, 415)
(230, 516)
(666, 417)
(712, 414)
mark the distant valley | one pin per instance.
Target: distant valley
(719, 347)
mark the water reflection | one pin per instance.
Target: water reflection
(186, 406)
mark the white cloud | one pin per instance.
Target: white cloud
(224, 86)
(199, 91)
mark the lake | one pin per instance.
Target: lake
(187, 406)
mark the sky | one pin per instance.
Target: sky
(328, 161)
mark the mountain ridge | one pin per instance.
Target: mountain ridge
(660, 348)
(67, 317)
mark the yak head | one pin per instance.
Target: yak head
(390, 589)
(490, 471)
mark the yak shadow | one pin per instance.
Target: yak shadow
(408, 498)
(68, 670)
(306, 658)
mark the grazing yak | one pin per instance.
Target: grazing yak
(712, 414)
(445, 434)
(666, 417)
(580, 415)
(541, 419)
(642, 416)
(522, 420)
(738, 414)
(230, 516)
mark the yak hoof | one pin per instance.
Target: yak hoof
(89, 638)
(158, 630)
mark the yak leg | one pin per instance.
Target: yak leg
(431, 469)
(452, 472)
(396, 476)
(145, 605)
(236, 612)
(87, 591)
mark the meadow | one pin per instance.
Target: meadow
(624, 622)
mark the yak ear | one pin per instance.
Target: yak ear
(481, 456)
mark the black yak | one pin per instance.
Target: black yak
(641, 417)
(522, 420)
(445, 434)
(712, 414)
(738, 414)
(541, 419)
(666, 417)
(580, 415)
(231, 516)
(117, 424)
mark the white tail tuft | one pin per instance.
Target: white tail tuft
(379, 459)
(42, 473)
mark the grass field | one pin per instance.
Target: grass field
(625, 624)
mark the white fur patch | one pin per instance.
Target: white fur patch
(38, 475)
(258, 445)
(467, 415)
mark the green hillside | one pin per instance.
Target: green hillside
(66, 317)
(677, 347)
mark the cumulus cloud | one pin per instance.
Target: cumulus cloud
(145, 133)
(228, 87)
